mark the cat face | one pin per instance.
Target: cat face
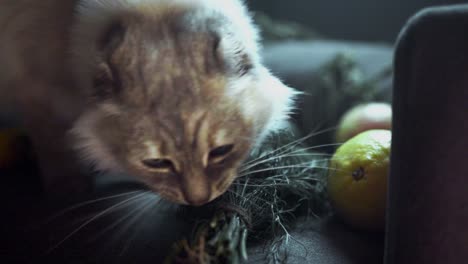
(187, 157)
(177, 107)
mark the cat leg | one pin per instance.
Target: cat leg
(61, 173)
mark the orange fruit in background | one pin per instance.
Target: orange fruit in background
(357, 179)
(363, 117)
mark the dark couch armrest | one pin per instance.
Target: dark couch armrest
(428, 196)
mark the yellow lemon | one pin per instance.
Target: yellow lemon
(357, 179)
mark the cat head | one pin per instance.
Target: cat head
(178, 96)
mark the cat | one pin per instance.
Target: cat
(171, 92)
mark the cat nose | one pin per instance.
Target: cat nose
(197, 199)
(197, 193)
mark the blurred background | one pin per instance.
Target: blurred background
(362, 20)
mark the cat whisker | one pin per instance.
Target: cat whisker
(244, 186)
(74, 207)
(278, 184)
(292, 152)
(131, 222)
(250, 201)
(288, 155)
(295, 166)
(121, 220)
(294, 143)
(258, 194)
(269, 178)
(239, 182)
(320, 146)
(151, 202)
(99, 215)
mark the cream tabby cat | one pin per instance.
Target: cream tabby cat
(172, 92)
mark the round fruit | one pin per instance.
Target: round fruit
(357, 179)
(364, 117)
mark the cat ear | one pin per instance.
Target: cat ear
(106, 81)
(111, 37)
(103, 81)
(244, 64)
(238, 59)
(270, 102)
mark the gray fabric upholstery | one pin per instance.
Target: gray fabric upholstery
(326, 241)
(301, 64)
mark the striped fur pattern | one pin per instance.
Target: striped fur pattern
(172, 92)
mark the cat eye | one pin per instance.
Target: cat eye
(158, 164)
(218, 154)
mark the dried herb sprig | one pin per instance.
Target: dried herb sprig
(280, 181)
(222, 240)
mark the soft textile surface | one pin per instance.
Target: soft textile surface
(326, 241)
